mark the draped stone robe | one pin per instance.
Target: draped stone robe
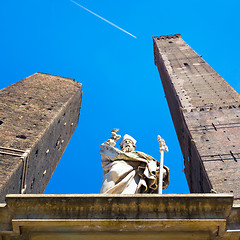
(129, 172)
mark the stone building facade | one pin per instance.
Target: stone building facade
(206, 114)
(38, 116)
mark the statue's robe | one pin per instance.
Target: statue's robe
(130, 172)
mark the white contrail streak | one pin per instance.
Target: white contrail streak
(104, 19)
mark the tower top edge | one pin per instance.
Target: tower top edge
(52, 75)
(65, 78)
(165, 37)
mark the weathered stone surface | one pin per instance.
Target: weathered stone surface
(39, 115)
(115, 216)
(206, 114)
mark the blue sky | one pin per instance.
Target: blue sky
(121, 85)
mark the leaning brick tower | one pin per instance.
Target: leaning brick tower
(206, 114)
(38, 116)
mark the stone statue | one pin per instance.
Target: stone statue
(126, 171)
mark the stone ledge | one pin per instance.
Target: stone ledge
(116, 206)
(120, 225)
(40, 215)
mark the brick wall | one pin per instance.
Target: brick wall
(38, 115)
(206, 113)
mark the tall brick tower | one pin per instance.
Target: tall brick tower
(206, 114)
(38, 115)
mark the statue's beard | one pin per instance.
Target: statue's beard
(128, 149)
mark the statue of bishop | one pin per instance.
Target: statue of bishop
(126, 171)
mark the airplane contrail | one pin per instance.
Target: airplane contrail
(104, 19)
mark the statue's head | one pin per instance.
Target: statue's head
(128, 143)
